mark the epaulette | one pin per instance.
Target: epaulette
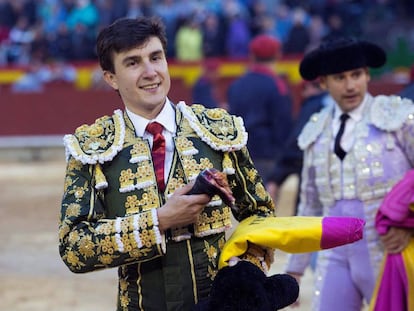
(389, 113)
(99, 142)
(313, 127)
(216, 127)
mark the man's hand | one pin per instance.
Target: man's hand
(396, 239)
(181, 209)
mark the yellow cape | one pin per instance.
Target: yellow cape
(296, 234)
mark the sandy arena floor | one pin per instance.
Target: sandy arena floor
(33, 278)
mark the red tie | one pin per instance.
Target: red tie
(158, 151)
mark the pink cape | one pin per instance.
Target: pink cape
(395, 285)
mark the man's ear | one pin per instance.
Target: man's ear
(110, 78)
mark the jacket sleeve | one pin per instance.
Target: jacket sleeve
(248, 188)
(87, 239)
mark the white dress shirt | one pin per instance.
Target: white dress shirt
(355, 116)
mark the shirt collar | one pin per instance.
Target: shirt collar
(166, 118)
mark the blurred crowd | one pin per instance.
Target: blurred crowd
(65, 30)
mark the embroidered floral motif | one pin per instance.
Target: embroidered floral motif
(86, 246)
(124, 296)
(212, 252)
(72, 258)
(73, 210)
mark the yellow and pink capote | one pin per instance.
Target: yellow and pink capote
(294, 234)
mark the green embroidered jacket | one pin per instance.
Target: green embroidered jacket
(108, 212)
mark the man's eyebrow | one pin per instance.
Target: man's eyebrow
(131, 58)
(156, 52)
(137, 58)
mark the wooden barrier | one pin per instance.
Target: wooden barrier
(60, 108)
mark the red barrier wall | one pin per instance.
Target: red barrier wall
(61, 107)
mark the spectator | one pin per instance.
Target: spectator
(335, 26)
(189, 41)
(317, 31)
(262, 98)
(61, 47)
(213, 34)
(283, 21)
(237, 34)
(8, 16)
(21, 37)
(84, 13)
(134, 9)
(169, 12)
(258, 12)
(41, 73)
(205, 89)
(298, 37)
(82, 23)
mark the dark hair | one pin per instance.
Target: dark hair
(125, 34)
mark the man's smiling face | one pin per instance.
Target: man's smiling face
(141, 76)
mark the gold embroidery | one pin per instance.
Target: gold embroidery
(213, 220)
(100, 179)
(145, 174)
(79, 191)
(105, 259)
(73, 237)
(139, 152)
(212, 254)
(126, 180)
(261, 191)
(251, 174)
(64, 229)
(105, 228)
(132, 205)
(216, 127)
(86, 246)
(107, 245)
(174, 184)
(68, 183)
(124, 296)
(73, 259)
(73, 210)
(149, 200)
(74, 165)
(185, 146)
